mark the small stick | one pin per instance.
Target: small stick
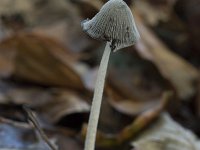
(15, 123)
(33, 119)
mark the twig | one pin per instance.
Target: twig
(33, 119)
(19, 124)
(15, 123)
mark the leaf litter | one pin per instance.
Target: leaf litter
(49, 65)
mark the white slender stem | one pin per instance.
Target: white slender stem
(96, 102)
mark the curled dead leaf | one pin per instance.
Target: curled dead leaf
(166, 134)
(47, 102)
(129, 106)
(129, 89)
(62, 104)
(175, 69)
(130, 131)
(152, 14)
(38, 59)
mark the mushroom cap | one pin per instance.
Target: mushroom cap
(115, 23)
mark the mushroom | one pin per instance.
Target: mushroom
(115, 24)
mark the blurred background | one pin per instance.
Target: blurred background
(48, 69)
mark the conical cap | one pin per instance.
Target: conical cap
(115, 23)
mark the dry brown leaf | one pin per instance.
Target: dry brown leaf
(37, 12)
(34, 96)
(6, 62)
(130, 131)
(31, 96)
(166, 134)
(9, 7)
(129, 89)
(40, 60)
(62, 104)
(48, 102)
(145, 118)
(175, 69)
(130, 106)
(68, 32)
(152, 14)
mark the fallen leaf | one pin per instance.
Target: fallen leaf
(152, 14)
(131, 130)
(129, 106)
(63, 103)
(40, 60)
(166, 134)
(47, 102)
(67, 31)
(128, 88)
(8, 7)
(175, 69)
(189, 13)
(6, 62)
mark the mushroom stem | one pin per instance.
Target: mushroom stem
(97, 99)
